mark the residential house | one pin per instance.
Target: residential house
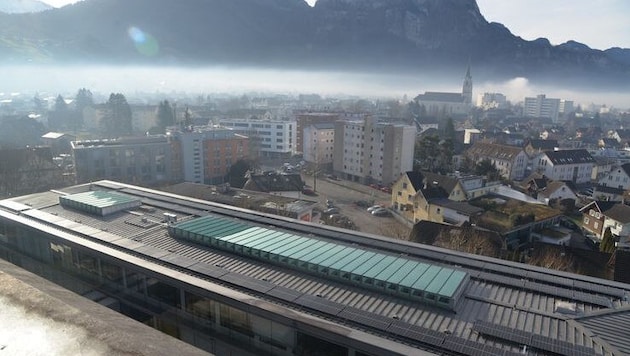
(568, 165)
(604, 193)
(411, 197)
(556, 191)
(598, 215)
(510, 161)
(420, 196)
(535, 147)
(289, 185)
(618, 177)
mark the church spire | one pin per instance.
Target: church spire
(467, 87)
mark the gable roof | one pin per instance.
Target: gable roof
(446, 182)
(554, 186)
(601, 206)
(626, 168)
(619, 212)
(543, 145)
(416, 178)
(493, 150)
(563, 157)
(274, 183)
(442, 97)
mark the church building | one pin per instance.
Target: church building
(442, 104)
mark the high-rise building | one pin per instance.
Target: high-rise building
(369, 151)
(208, 152)
(305, 119)
(269, 138)
(542, 107)
(319, 143)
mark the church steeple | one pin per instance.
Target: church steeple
(467, 87)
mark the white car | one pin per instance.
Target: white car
(380, 212)
(374, 207)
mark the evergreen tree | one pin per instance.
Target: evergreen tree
(116, 121)
(58, 117)
(165, 116)
(608, 243)
(82, 100)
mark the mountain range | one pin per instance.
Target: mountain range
(384, 35)
(23, 6)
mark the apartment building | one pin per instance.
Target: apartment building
(367, 151)
(146, 160)
(319, 143)
(510, 161)
(566, 165)
(208, 152)
(268, 138)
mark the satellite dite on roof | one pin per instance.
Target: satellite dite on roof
(99, 202)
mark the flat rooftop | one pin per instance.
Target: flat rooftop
(503, 306)
(40, 318)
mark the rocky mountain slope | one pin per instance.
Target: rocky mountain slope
(388, 35)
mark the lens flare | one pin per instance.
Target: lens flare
(145, 43)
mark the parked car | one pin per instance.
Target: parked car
(362, 203)
(331, 211)
(373, 207)
(330, 203)
(380, 212)
(308, 191)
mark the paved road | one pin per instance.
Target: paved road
(344, 194)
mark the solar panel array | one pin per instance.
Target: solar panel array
(398, 275)
(536, 341)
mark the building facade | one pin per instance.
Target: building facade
(566, 165)
(367, 151)
(269, 138)
(319, 144)
(510, 161)
(258, 284)
(306, 119)
(448, 104)
(147, 160)
(208, 152)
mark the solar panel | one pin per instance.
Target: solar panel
(320, 304)
(366, 318)
(247, 282)
(510, 334)
(208, 270)
(417, 333)
(283, 293)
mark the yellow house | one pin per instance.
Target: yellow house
(412, 194)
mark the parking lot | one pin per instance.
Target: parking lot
(344, 194)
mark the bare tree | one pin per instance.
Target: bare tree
(553, 259)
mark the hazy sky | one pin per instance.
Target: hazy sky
(600, 24)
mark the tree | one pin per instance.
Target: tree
(486, 168)
(608, 242)
(165, 115)
(82, 100)
(236, 174)
(116, 121)
(58, 117)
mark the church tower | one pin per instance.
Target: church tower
(468, 87)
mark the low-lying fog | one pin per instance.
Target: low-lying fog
(133, 79)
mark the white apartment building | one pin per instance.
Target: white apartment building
(318, 143)
(566, 165)
(492, 101)
(544, 107)
(367, 151)
(541, 106)
(269, 138)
